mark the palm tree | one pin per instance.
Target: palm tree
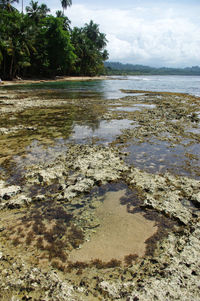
(33, 9)
(7, 4)
(66, 21)
(65, 4)
(36, 12)
(59, 14)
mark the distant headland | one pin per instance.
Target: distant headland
(116, 68)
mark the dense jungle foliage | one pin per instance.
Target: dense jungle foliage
(38, 44)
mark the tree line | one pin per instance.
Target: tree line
(38, 44)
(117, 68)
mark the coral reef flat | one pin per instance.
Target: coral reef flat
(99, 199)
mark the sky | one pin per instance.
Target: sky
(147, 32)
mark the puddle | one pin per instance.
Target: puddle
(158, 157)
(194, 130)
(141, 105)
(120, 233)
(37, 153)
(108, 226)
(136, 107)
(106, 130)
(126, 109)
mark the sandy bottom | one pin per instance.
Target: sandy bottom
(120, 233)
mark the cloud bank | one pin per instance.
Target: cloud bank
(148, 32)
(145, 35)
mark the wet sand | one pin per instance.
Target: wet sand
(120, 233)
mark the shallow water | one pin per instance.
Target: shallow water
(106, 130)
(120, 233)
(37, 152)
(158, 157)
(135, 107)
(111, 88)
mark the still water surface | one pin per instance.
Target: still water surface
(109, 89)
(152, 156)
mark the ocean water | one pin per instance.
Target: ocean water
(182, 84)
(111, 88)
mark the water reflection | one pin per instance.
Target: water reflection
(106, 130)
(39, 153)
(135, 107)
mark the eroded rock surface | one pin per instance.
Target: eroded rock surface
(165, 193)
(52, 209)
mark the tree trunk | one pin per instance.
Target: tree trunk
(11, 67)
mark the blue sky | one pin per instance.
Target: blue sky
(148, 32)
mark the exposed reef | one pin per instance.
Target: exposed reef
(56, 198)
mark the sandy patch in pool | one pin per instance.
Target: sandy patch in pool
(120, 233)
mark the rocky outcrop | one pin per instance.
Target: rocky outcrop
(165, 193)
(12, 197)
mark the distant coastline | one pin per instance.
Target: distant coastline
(116, 68)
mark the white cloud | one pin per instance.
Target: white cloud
(145, 35)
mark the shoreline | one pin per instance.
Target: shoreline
(56, 79)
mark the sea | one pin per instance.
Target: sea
(111, 88)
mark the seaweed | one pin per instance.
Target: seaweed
(29, 237)
(112, 263)
(130, 258)
(76, 236)
(39, 244)
(39, 228)
(79, 265)
(57, 265)
(99, 264)
(16, 241)
(19, 230)
(55, 250)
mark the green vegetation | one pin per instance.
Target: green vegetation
(116, 68)
(37, 44)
